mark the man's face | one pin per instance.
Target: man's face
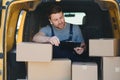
(58, 20)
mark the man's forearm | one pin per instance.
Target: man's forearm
(41, 39)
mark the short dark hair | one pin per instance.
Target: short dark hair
(54, 9)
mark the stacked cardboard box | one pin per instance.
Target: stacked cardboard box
(111, 68)
(59, 69)
(21, 79)
(84, 71)
(29, 51)
(109, 51)
(104, 47)
(40, 64)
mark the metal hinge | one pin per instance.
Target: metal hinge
(1, 56)
(2, 7)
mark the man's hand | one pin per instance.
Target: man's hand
(54, 41)
(79, 50)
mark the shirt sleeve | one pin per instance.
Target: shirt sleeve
(46, 30)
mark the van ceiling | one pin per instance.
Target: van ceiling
(73, 5)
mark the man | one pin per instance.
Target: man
(59, 31)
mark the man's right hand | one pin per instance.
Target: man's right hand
(54, 41)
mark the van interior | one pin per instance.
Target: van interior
(94, 23)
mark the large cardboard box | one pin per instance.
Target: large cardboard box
(58, 69)
(111, 68)
(29, 51)
(104, 47)
(21, 79)
(84, 71)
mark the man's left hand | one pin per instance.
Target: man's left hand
(79, 50)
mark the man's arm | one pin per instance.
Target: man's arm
(41, 37)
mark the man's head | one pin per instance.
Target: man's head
(56, 16)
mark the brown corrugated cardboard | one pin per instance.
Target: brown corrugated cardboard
(29, 51)
(84, 71)
(58, 69)
(103, 47)
(111, 68)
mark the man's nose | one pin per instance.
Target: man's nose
(59, 21)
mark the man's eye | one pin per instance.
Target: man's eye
(55, 20)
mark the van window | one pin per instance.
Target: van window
(19, 24)
(74, 17)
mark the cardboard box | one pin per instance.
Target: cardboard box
(29, 51)
(111, 68)
(104, 47)
(84, 71)
(58, 69)
(21, 79)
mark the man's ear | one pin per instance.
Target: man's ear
(50, 21)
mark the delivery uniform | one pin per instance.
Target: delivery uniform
(65, 35)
